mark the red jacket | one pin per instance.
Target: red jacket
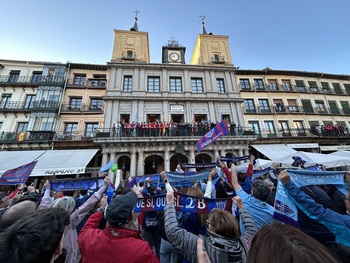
(112, 244)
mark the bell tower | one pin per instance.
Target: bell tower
(211, 49)
(173, 53)
(131, 46)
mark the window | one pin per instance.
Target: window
(292, 106)
(43, 123)
(5, 101)
(273, 84)
(255, 127)
(14, 75)
(270, 129)
(79, 79)
(300, 128)
(264, 106)
(284, 128)
(91, 129)
(70, 128)
(96, 103)
(300, 85)
(325, 87)
(320, 106)
(21, 127)
(129, 54)
(29, 103)
(220, 85)
(127, 84)
(36, 76)
(307, 106)
(259, 84)
(244, 83)
(286, 85)
(313, 86)
(75, 102)
(347, 88)
(153, 84)
(99, 80)
(175, 84)
(197, 85)
(249, 106)
(337, 88)
(279, 105)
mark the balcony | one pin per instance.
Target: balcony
(45, 105)
(30, 136)
(217, 59)
(31, 81)
(322, 110)
(93, 83)
(16, 106)
(81, 109)
(74, 136)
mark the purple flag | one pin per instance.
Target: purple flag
(211, 136)
(17, 175)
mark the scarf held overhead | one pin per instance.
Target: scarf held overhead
(285, 209)
(184, 203)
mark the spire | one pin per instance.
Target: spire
(204, 31)
(135, 27)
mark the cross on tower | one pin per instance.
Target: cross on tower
(136, 12)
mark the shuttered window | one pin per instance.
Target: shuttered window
(333, 107)
(337, 88)
(345, 106)
(307, 106)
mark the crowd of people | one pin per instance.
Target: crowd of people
(329, 130)
(73, 226)
(163, 128)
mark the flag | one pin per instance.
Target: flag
(17, 175)
(163, 127)
(219, 130)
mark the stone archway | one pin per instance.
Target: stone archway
(177, 159)
(203, 158)
(153, 164)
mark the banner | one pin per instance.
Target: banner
(93, 183)
(219, 130)
(285, 209)
(184, 203)
(17, 175)
(197, 165)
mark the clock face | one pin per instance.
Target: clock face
(174, 56)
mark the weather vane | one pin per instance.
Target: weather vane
(202, 17)
(136, 12)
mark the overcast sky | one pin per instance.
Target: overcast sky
(306, 35)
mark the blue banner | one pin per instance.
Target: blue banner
(285, 209)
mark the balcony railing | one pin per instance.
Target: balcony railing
(30, 136)
(45, 105)
(16, 106)
(83, 108)
(217, 59)
(74, 136)
(95, 83)
(17, 80)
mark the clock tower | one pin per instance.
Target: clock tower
(173, 53)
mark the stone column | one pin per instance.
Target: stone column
(140, 164)
(192, 159)
(104, 157)
(167, 160)
(133, 162)
(216, 153)
(112, 159)
(240, 154)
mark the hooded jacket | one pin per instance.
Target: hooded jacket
(219, 248)
(112, 244)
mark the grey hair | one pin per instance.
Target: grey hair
(260, 190)
(66, 203)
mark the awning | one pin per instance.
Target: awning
(274, 151)
(51, 162)
(303, 145)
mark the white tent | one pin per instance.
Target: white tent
(259, 164)
(315, 158)
(274, 151)
(341, 153)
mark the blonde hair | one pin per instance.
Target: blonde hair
(66, 203)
